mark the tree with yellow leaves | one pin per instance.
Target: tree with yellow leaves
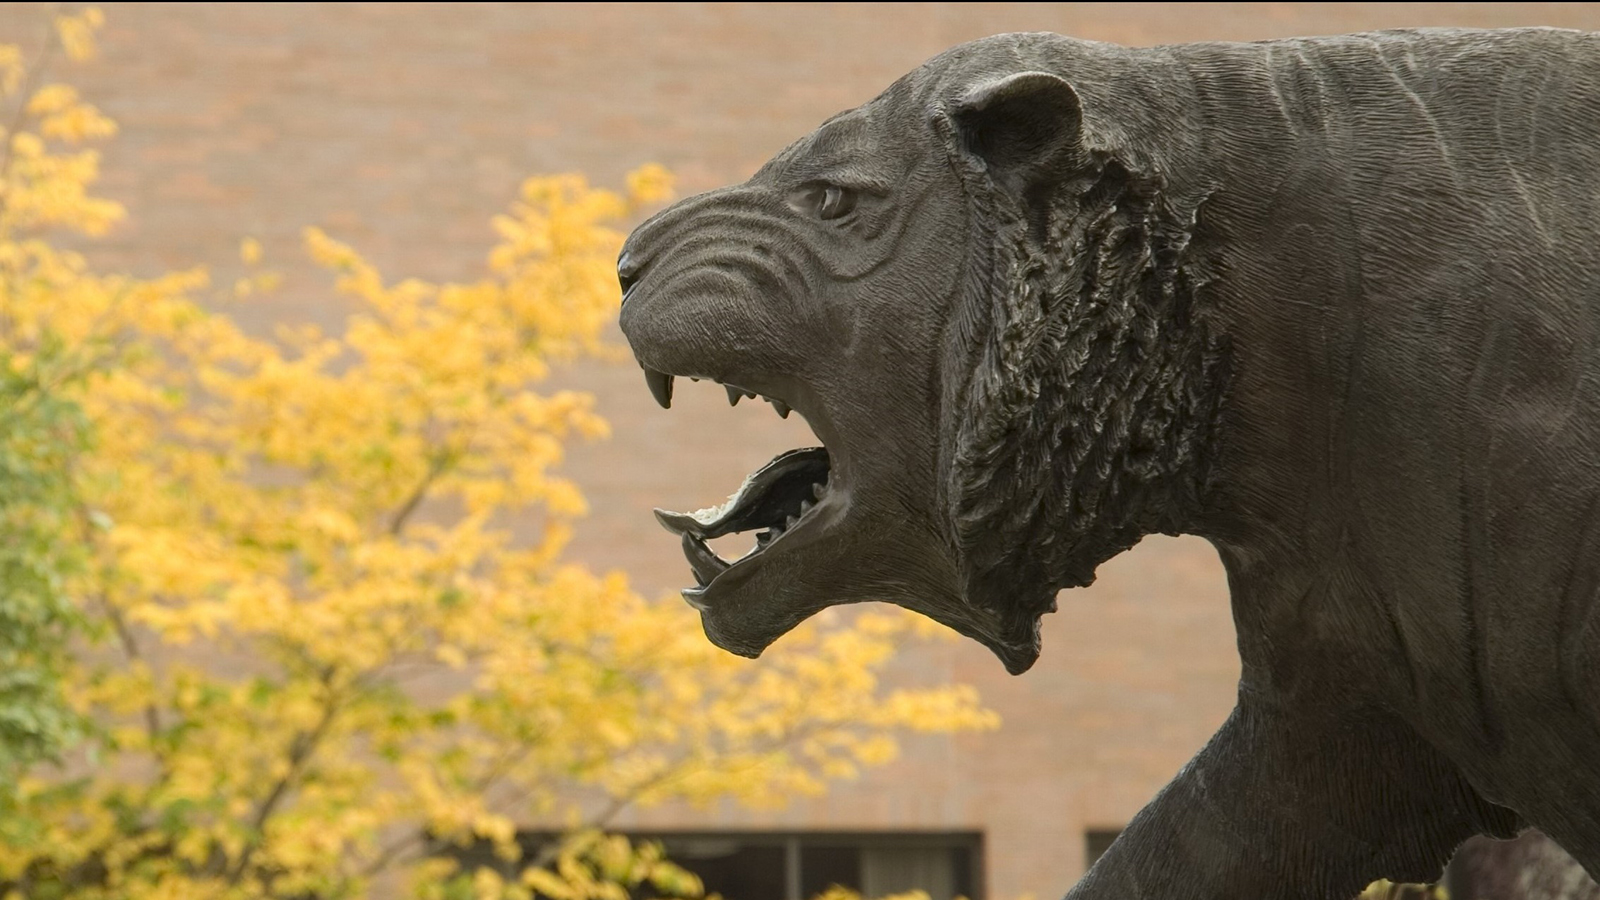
(326, 654)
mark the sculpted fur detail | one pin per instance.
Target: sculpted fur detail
(1328, 303)
(1096, 346)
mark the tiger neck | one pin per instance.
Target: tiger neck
(1106, 374)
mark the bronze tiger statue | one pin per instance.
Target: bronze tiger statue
(1331, 303)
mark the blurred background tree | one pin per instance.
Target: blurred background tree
(43, 431)
(328, 631)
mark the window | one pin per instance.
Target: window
(1096, 842)
(732, 868)
(757, 866)
(753, 865)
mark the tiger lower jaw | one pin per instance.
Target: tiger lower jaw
(776, 499)
(827, 552)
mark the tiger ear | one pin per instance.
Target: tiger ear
(1025, 128)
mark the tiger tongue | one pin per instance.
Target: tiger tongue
(767, 497)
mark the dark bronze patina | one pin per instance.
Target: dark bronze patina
(1331, 303)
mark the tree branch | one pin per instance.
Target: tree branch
(388, 854)
(301, 748)
(496, 771)
(549, 852)
(130, 648)
(438, 463)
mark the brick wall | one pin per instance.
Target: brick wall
(404, 128)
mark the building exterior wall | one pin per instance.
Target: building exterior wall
(402, 128)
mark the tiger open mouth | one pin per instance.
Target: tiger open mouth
(772, 502)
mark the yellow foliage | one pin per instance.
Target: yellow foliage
(1383, 889)
(76, 32)
(302, 541)
(841, 893)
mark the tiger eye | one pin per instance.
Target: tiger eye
(836, 201)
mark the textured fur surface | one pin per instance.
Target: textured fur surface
(1331, 303)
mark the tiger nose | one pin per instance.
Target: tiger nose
(628, 268)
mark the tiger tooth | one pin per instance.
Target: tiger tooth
(660, 386)
(805, 505)
(781, 407)
(705, 564)
(734, 395)
(818, 489)
(789, 522)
